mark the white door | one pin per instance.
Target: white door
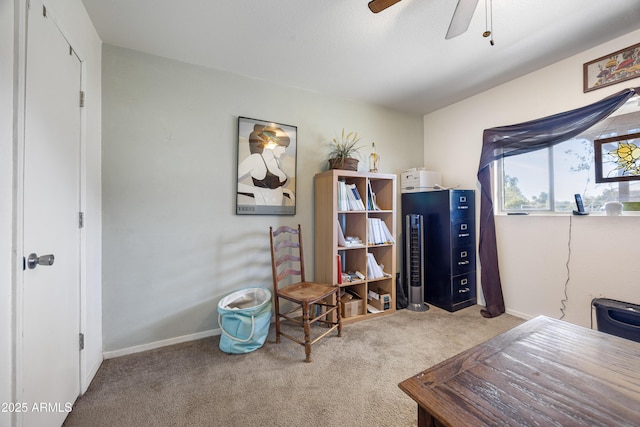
(51, 296)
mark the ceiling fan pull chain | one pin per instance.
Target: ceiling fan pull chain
(491, 17)
(488, 14)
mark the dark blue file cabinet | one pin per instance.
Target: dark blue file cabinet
(449, 245)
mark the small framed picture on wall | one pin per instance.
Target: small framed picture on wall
(266, 182)
(614, 68)
(617, 158)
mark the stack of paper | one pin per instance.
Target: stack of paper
(374, 271)
(347, 241)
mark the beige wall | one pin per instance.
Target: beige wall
(533, 250)
(173, 245)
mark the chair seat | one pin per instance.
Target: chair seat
(306, 291)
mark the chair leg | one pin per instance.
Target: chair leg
(338, 317)
(307, 331)
(277, 307)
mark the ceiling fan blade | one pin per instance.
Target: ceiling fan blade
(461, 18)
(379, 5)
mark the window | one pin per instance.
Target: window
(546, 180)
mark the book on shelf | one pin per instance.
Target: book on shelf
(372, 205)
(379, 232)
(358, 204)
(342, 197)
(349, 197)
(371, 235)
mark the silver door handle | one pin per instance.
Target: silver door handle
(34, 260)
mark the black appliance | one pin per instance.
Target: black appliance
(414, 262)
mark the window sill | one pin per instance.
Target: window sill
(554, 214)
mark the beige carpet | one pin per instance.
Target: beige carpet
(353, 380)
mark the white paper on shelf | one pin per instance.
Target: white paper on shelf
(373, 269)
(372, 309)
(341, 240)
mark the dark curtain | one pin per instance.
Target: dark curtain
(506, 141)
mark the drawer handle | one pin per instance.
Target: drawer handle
(463, 262)
(463, 235)
(463, 291)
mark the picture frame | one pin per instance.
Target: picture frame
(617, 158)
(266, 168)
(610, 69)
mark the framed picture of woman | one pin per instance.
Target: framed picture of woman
(266, 168)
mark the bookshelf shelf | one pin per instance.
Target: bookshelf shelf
(335, 219)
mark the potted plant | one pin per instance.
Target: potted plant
(343, 152)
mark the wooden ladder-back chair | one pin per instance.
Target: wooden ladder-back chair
(319, 302)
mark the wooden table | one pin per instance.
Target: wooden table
(545, 372)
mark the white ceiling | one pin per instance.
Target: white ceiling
(397, 58)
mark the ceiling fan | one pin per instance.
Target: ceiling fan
(459, 22)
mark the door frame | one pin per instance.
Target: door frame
(21, 25)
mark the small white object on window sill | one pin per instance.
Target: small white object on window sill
(613, 208)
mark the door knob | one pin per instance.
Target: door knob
(34, 260)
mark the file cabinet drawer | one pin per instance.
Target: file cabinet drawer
(463, 260)
(462, 233)
(463, 287)
(462, 204)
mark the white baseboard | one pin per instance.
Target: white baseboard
(163, 343)
(200, 335)
(519, 314)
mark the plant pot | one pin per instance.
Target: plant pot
(348, 163)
